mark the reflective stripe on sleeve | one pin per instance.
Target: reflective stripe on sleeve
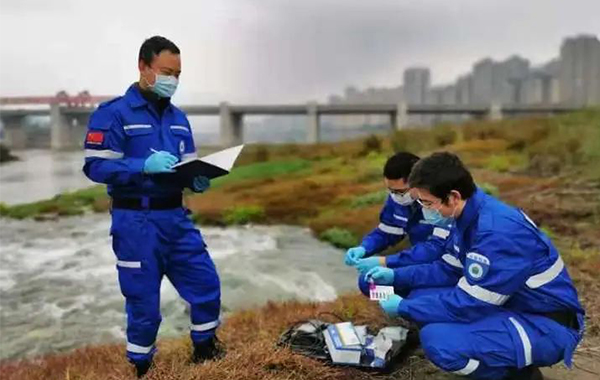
(390, 229)
(440, 232)
(524, 340)
(131, 347)
(546, 276)
(481, 293)
(129, 264)
(471, 366)
(452, 260)
(180, 127)
(400, 218)
(137, 126)
(206, 326)
(107, 154)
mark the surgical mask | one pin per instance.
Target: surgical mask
(403, 200)
(165, 85)
(435, 217)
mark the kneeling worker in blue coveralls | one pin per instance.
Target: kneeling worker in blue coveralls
(132, 141)
(401, 216)
(509, 305)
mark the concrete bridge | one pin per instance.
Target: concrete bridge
(69, 122)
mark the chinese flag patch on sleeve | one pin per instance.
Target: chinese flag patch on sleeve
(96, 138)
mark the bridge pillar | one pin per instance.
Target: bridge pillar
(314, 128)
(399, 119)
(60, 138)
(15, 136)
(495, 111)
(232, 132)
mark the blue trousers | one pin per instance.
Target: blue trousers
(149, 245)
(493, 346)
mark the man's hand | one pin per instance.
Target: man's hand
(390, 305)
(354, 254)
(364, 265)
(380, 276)
(160, 162)
(200, 184)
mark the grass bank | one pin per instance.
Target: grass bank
(547, 166)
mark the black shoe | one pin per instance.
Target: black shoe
(527, 373)
(210, 349)
(141, 367)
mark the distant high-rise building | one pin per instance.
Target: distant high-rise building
(498, 81)
(580, 70)
(464, 90)
(416, 83)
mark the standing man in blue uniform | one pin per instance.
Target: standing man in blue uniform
(510, 305)
(400, 217)
(131, 145)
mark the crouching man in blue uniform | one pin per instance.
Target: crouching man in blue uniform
(401, 216)
(510, 305)
(131, 145)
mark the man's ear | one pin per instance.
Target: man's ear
(455, 196)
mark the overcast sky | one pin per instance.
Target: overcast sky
(259, 51)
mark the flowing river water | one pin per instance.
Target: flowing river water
(58, 282)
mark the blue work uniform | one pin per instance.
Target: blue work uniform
(509, 301)
(396, 222)
(149, 243)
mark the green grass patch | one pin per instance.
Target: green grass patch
(67, 204)
(262, 170)
(244, 215)
(370, 199)
(490, 189)
(506, 162)
(340, 237)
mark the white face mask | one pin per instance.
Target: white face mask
(403, 200)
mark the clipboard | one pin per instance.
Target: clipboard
(211, 166)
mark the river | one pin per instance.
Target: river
(58, 282)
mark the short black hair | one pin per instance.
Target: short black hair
(399, 165)
(153, 46)
(441, 173)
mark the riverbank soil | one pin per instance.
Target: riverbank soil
(549, 167)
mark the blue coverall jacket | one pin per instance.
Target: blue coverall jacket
(502, 281)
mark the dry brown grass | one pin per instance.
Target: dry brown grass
(250, 337)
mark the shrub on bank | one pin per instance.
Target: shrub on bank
(243, 215)
(340, 237)
(369, 199)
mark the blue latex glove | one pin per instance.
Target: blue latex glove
(390, 305)
(200, 184)
(380, 276)
(364, 265)
(160, 162)
(354, 254)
